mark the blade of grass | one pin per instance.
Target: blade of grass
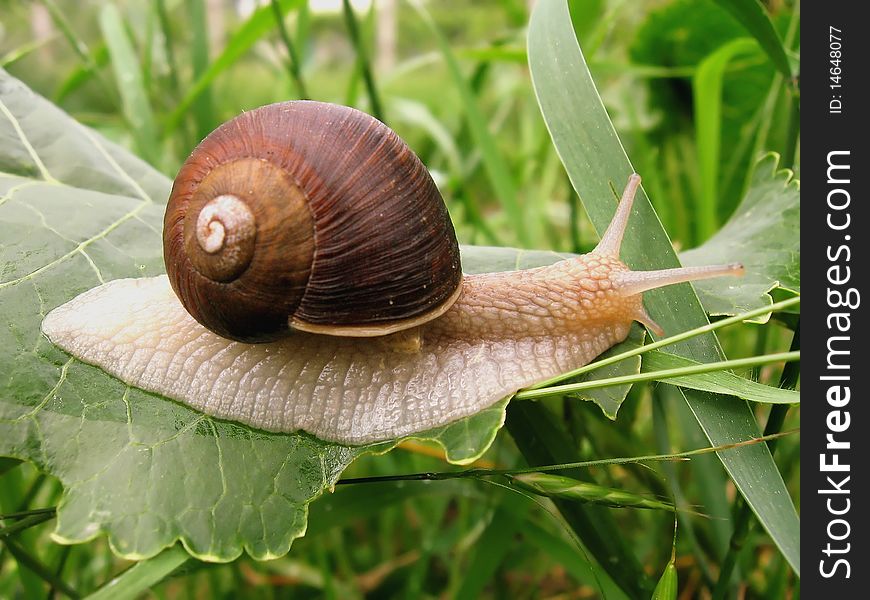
(34, 565)
(81, 75)
(543, 440)
(707, 478)
(493, 545)
(203, 106)
(131, 86)
(721, 382)
(595, 160)
(674, 339)
(146, 51)
(362, 57)
(258, 25)
(23, 50)
(79, 47)
(742, 521)
(293, 66)
(142, 576)
(753, 131)
(12, 490)
(303, 27)
(509, 54)
(752, 15)
(707, 90)
(663, 445)
(58, 570)
(496, 167)
(758, 134)
(571, 557)
(168, 45)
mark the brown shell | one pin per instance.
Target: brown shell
(351, 233)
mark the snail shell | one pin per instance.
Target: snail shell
(312, 216)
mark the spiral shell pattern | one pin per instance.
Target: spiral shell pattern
(308, 215)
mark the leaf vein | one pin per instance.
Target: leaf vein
(75, 250)
(45, 400)
(26, 143)
(101, 149)
(93, 265)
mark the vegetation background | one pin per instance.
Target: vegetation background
(158, 76)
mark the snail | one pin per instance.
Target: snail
(313, 283)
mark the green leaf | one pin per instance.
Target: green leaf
(753, 17)
(718, 382)
(609, 399)
(76, 210)
(7, 464)
(763, 235)
(596, 164)
(483, 259)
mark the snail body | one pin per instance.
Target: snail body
(464, 344)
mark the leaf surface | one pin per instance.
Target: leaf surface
(610, 398)
(764, 235)
(75, 211)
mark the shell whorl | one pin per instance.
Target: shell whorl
(226, 229)
(312, 216)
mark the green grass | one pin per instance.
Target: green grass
(696, 94)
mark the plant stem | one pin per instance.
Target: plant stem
(26, 513)
(362, 56)
(33, 564)
(58, 571)
(80, 48)
(25, 523)
(293, 57)
(794, 128)
(659, 375)
(168, 46)
(666, 342)
(479, 473)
